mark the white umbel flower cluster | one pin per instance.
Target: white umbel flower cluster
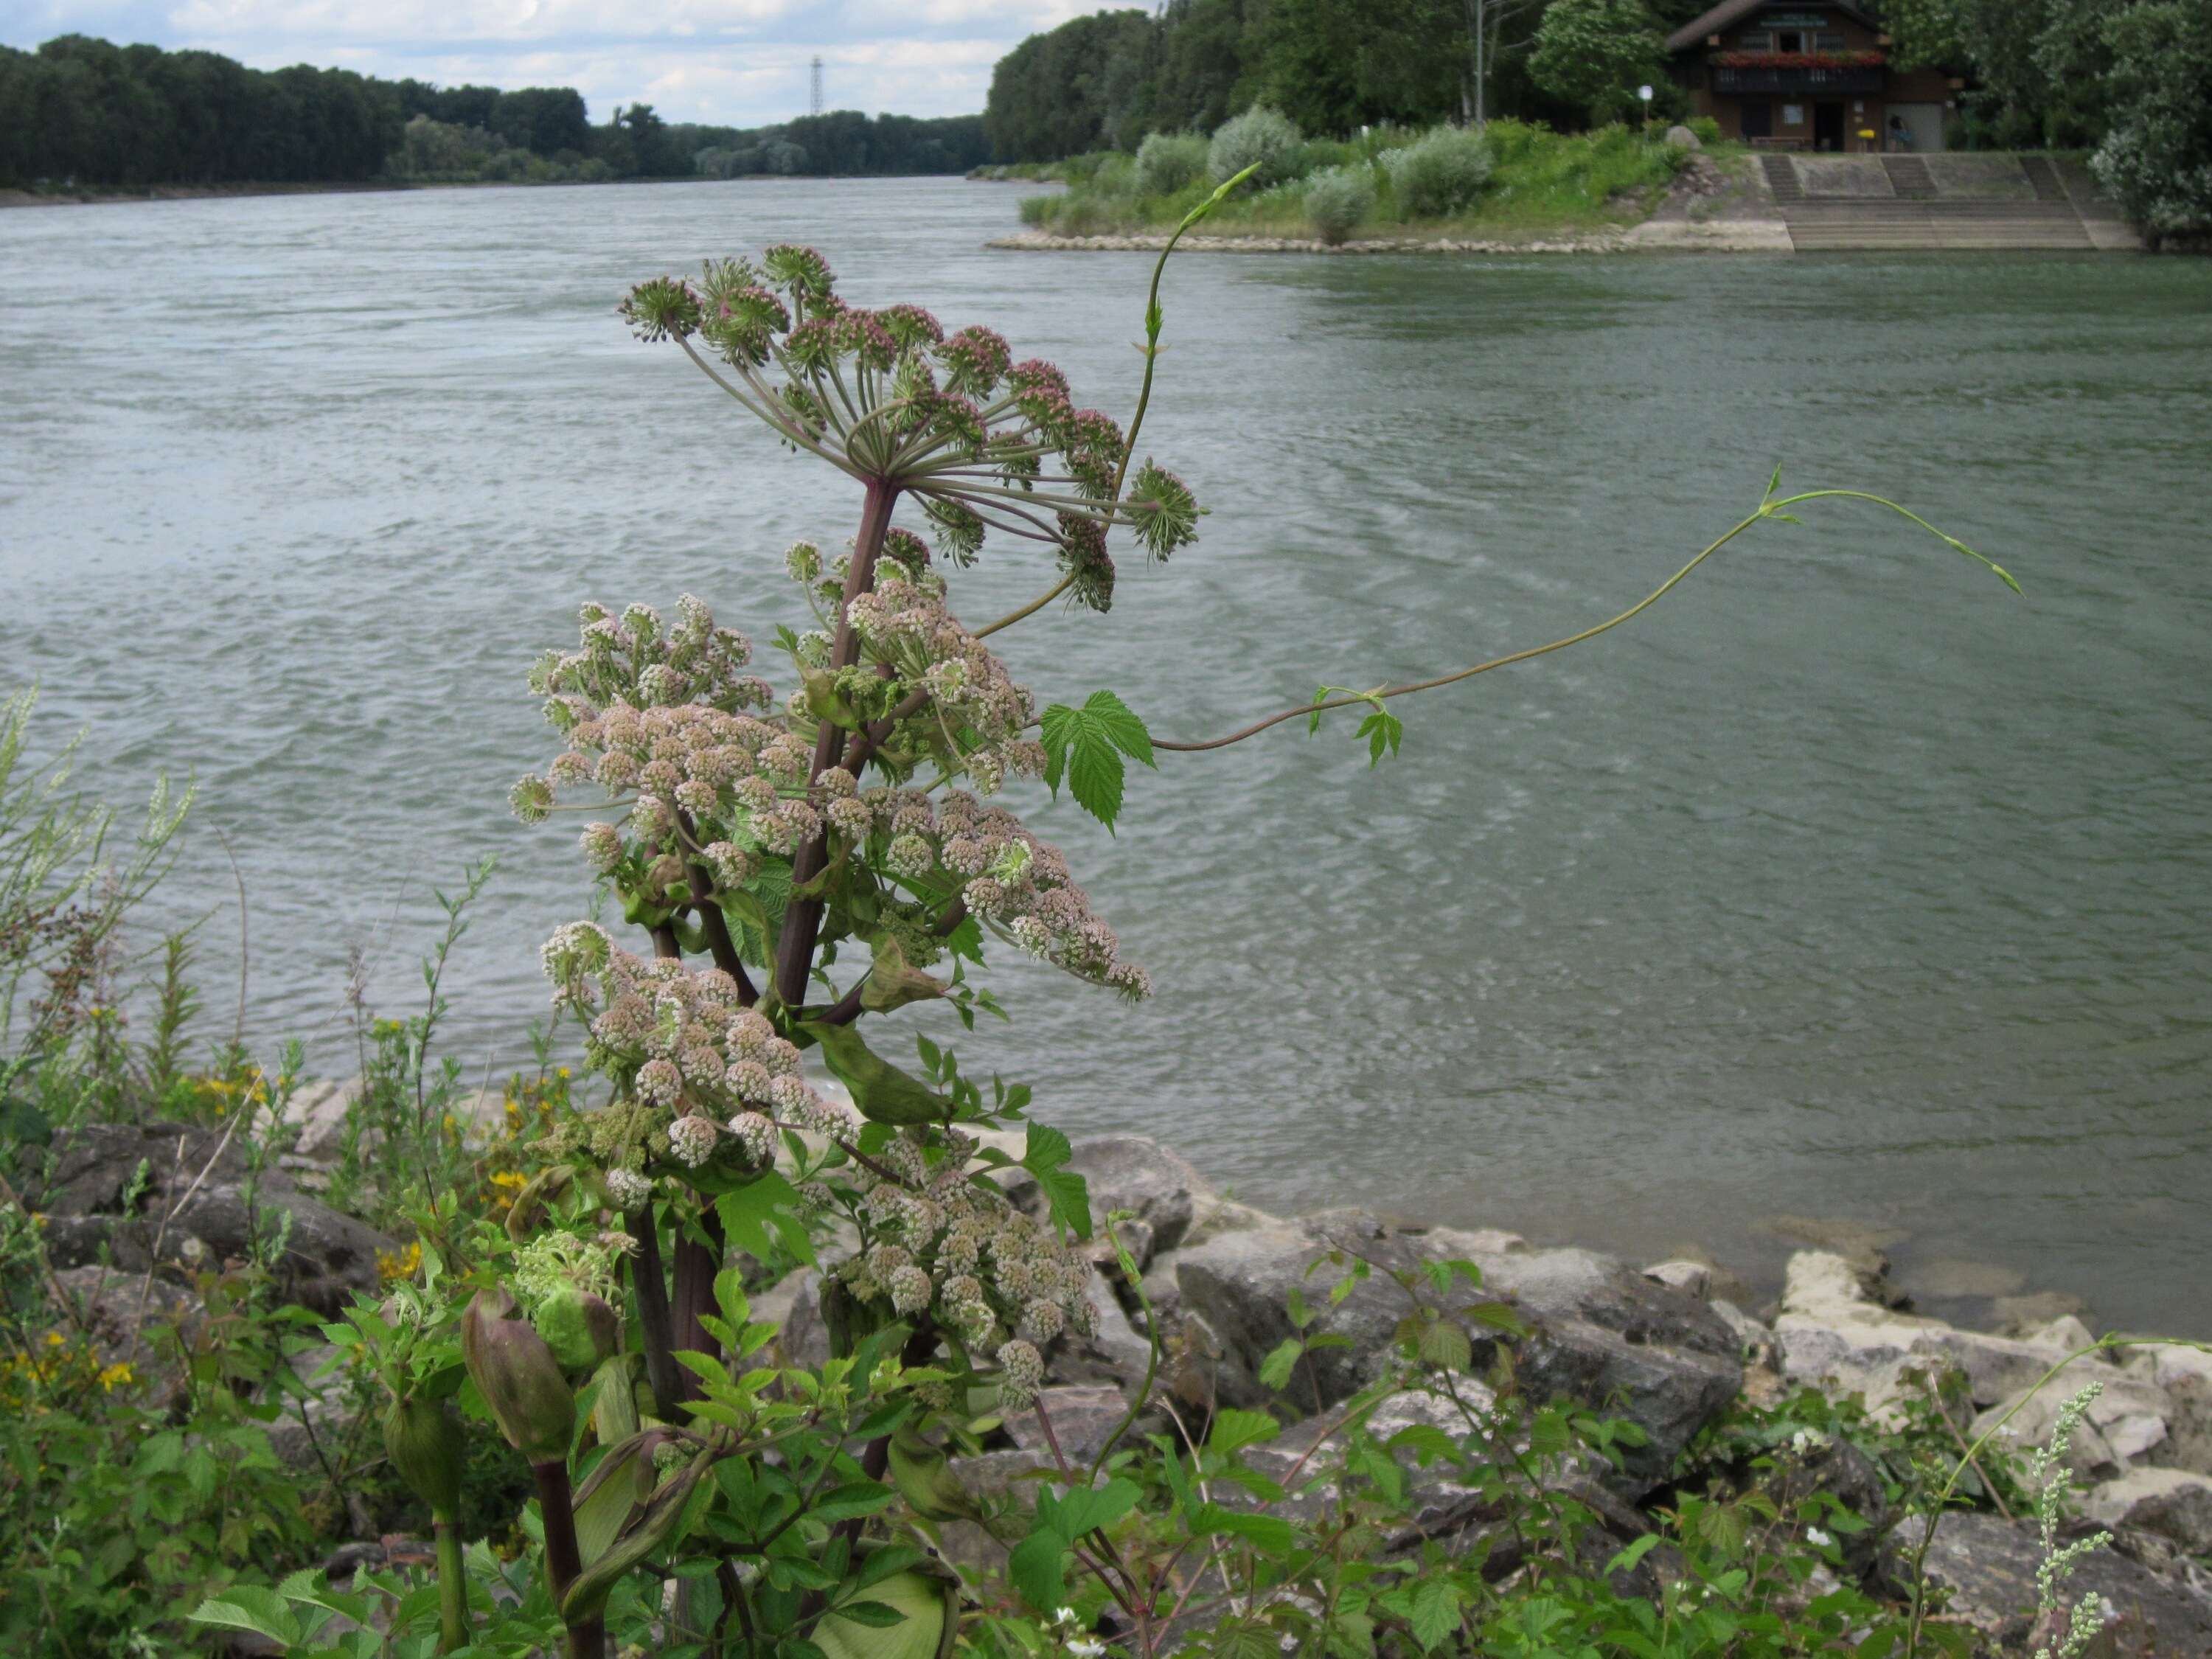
(680, 1038)
(993, 1278)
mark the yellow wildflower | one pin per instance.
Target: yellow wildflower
(117, 1375)
(393, 1266)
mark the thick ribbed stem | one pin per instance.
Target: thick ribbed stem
(649, 1292)
(696, 1264)
(802, 917)
(564, 1562)
(453, 1587)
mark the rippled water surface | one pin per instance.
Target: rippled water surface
(1843, 883)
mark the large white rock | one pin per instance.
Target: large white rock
(2172, 1503)
(2126, 1422)
(1833, 1331)
(2185, 1374)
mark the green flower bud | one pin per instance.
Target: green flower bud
(519, 1378)
(580, 1328)
(424, 1440)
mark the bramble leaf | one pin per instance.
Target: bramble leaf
(1036, 1566)
(1436, 1611)
(252, 1608)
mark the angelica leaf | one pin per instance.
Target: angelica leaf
(762, 1214)
(1085, 746)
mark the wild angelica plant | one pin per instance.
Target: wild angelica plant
(834, 852)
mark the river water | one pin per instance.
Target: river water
(1842, 884)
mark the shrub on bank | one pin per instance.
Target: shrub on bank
(1512, 174)
(1440, 174)
(1338, 200)
(1167, 161)
(1259, 137)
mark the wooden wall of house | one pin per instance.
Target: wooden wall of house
(1837, 32)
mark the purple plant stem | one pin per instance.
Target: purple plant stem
(802, 917)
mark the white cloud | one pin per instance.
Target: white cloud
(744, 62)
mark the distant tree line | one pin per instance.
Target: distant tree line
(1106, 79)
(86, 112)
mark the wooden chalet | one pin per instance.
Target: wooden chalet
(1811, 74)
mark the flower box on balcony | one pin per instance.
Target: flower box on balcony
(1798, 60)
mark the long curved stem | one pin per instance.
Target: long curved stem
(1151, 350)
(1769, 509)
(1029, 609)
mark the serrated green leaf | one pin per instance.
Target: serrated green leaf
(1444, 1344)
(1270, 1533)
(762, 1213)
(1069, 1195)
(1085, 747)
(1383, 731)
(1275, 1370)
(251, 1606)
(1235, 1430)
(1037, 1568)
(1436, 1611)
(1046, 1149)
(1625, 1561)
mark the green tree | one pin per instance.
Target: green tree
(546, 121)
(1203, 75)
(1594, 54)
(1335, 65)
(2157, 158)
(1071, 89)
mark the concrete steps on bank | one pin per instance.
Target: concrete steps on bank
(2044, 178)
(1888, 226)
(1909, 178)
(1781, 178)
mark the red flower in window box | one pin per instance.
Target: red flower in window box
(1798, 60)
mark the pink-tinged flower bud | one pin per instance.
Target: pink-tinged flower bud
(519, 1377)
(424, 1440)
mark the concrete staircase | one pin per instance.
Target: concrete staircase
(1895, 225)
(1781, 178)
(2041, 174)
(1909, 178)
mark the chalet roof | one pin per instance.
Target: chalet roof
(1730, 12)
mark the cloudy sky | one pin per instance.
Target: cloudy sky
(744, 62)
